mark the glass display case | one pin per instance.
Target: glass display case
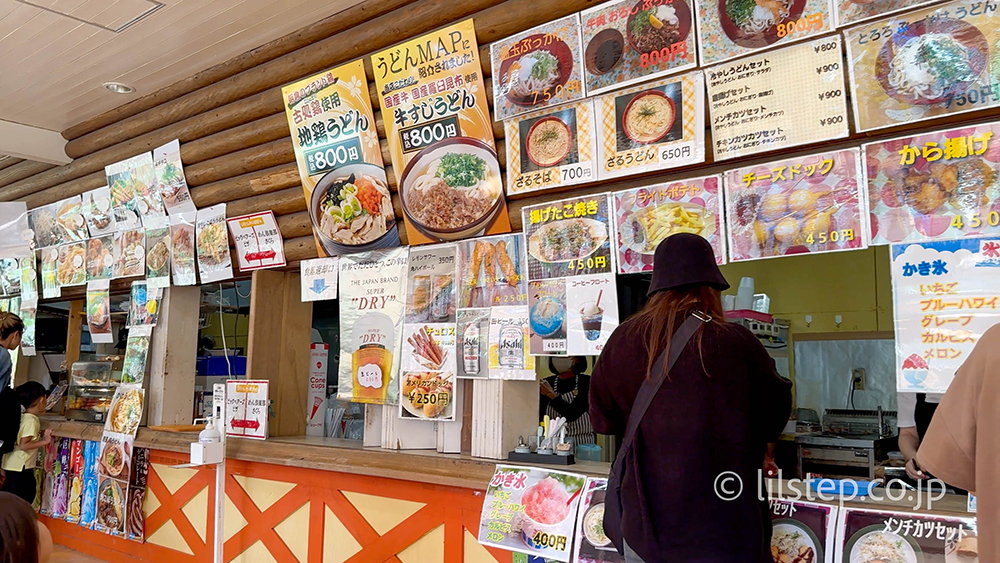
(91, 387)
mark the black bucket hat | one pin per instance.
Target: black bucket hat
(685, 260)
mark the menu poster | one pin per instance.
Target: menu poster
(802, 531)
(29, 277)
(551, 148)
(88, 500)
(126, 410)
(182, 248)
(99, 314)
(339, 160)
(319, 279)
(59, 491)
(97, 212)
(75, 481)
(136, 352)
(215, 264)
(591, 313)
(849, 12)
(10, 276)
(258, 241)
(802, 205)
(27, 313)
(15, 233)
(547, 317)
(70, 266)
(537, 68)
(869, 535)
(531, 510)
(570, 237)
(42, 223)
(945, 297)
(431, 284)
(509, 357)
(49, 259)
(372, 286)
(147, 199)
(143, 304)
(129, 253)
(631, 41)
(158, 253)
(592, 544)
(123, 199)
(171, 185)
(655, 126)
(731, 29)
(135, 519)
(645, 216)
(491, 272)
(933, 186)
(427, 380)
(472, 335)
(115, 458)
(757, 103)
(100, 261)
(440, 136)
(923, 64)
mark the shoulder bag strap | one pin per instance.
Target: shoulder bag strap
(652, 384)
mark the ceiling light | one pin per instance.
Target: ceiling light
(119, 88)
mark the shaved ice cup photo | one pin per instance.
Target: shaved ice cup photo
(915, 370)
(546, 506)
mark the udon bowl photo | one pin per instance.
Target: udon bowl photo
(351, 208)
(648, 117)
(548, 142)
(754, 23)
(528, 77)
(451, 189)
(546, 506)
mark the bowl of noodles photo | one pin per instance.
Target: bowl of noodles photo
(549, 141)
(451, 189)
(648, 117)
(538, 74)
(930, 62)
(351, 209)
(658, 27)
(754, 23)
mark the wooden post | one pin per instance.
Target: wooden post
(278, 347)
(173, 350)
(77, 309)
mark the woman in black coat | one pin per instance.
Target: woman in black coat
(719, 407)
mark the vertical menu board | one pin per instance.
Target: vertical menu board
(924, 64)
(945, 297)
(733, 28)
(631, 41)
(551, 148)
(645, 216)
(537, 68)
(655, 126)
(804, 205)
(935, 186)
(340, 161)
(440, 136)
(785, 98)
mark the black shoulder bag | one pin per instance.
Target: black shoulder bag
(612, 499)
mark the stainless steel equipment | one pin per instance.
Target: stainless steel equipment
(852, 444)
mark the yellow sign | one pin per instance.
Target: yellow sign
(440, 136)
(340, 162)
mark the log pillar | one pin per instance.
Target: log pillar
(173, 350)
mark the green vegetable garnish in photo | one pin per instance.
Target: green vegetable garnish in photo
(461, 170)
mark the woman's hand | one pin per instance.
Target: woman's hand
(913, 471)
(546, 389)
(770, 468)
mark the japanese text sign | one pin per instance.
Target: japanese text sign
(655, 126)
(934, 186)
(645, 216)
(258, 241)
(247, 405)
(340, 162)
(803, 205)
(785, 98)
(945, 296)
(924, 64)
(319, 279)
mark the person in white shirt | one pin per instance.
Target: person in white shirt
(914, 412)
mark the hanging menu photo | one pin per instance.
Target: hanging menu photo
(631, 41)
(850, 12)
(537, 68)
(655, 126)
(802, 531)
(551, 148)
(785, 98)
(935, 186)
(803, 205)
(924, 64)
(645, 216)
(733, 28)
(870, 535)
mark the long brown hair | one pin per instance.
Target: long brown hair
(664, 312)
(18, 530)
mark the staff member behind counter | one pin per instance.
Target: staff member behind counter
(914, 414)
(567, 394)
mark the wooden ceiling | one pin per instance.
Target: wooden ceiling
(56, 54)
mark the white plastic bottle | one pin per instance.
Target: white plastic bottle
(210, 435)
